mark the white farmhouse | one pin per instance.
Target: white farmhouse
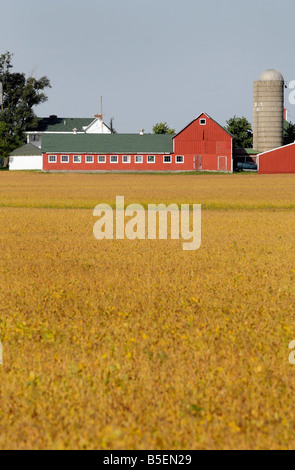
(60, 125)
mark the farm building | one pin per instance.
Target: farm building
(77, 144)
(279, 160)
(27, 157)
(59, 125)
(202, 145)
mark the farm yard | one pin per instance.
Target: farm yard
(120, 344)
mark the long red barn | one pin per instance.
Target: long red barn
(202, 145)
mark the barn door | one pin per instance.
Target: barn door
(222, 166)
(198, 161)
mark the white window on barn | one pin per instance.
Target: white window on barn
(77, 159)
(101, 159)
(114, 159)
(64, 159)
(126, 159)
(203, 122)
(151, 158)
(89, 159)
(179, 159)
(138, 159)
(52, 158)
(167, 159)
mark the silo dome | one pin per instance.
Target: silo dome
(271, 75)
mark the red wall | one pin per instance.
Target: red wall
(187, 165)
(208, 141)
(281, 160)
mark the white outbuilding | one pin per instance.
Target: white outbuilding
(27, 157)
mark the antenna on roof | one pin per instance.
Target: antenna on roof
(100, 115)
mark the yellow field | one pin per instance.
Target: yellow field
(138, 344)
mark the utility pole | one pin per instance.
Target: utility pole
(100, 116)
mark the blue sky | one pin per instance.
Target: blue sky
(151, 60)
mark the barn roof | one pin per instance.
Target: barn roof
(107, 143)
(27, 150)
(209, 117)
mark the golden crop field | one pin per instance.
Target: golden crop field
(119, 344)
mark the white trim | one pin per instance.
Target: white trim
(147, 159)
(117, 158)
(80, 158)
(92, 159)
(165, 156)
(139, 156)
(198, 117)
(68, 159)
(179, 163)
(55, 156)
(104, 156)
(232, 158)
(277, 148)
(128, 158)
(56, 132)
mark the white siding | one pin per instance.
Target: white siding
(97, 127)
(26, 163)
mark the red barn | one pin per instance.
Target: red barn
(279, 160)
(206, 144)
(203, 145)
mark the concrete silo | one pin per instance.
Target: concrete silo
(268, 111)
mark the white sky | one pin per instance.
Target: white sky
(151, 60)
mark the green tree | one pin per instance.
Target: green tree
(289, 133)
(241, 129)
(20, 95)
(162, 128)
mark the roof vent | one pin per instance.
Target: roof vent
(141, 131)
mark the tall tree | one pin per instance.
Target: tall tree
(289, 132)
(241, 129)
(20, 95)
(162, 128)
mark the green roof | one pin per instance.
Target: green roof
(107, 143)
(27, 150)
(245, 151)
(59, 124)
